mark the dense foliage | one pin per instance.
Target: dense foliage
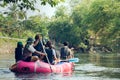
(29, 4)
(89, 23)
(92, 23)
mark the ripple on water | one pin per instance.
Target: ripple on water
(89, 67)
(6, 73)
(97, 71)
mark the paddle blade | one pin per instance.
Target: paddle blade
(74, 60)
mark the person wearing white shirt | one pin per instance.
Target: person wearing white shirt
(29, 49)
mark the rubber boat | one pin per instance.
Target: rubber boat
(42, 67)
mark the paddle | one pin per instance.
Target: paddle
(46, 55)
(71, 60)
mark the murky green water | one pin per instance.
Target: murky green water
(90, 67)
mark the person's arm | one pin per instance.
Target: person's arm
(54, 54)
(68, 53)
(36, 42)
(38, 52)
(33, 50)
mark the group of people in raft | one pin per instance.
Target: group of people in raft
(34, 50)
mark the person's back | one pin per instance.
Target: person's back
(27, 53)
(29, 50)
(18, 51)
(51, 54)
(65, 51)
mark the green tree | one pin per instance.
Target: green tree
(80, 30)
(29, 4)
(16, 16)
(40, 24)
(103, 19)
(59, 27)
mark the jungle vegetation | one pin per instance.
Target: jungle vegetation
(86, 24)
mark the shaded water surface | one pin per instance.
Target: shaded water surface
(90, 67)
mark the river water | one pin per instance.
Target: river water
(90, 67)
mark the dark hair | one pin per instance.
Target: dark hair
(37, 36)
(66, 43)
(30, 40)
(19, 44)
(49, 44)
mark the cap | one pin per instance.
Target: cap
(30, 39)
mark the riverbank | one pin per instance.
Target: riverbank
(8, 45)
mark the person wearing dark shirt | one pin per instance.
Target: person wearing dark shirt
(51, 53)
(38, 45)
(18, 51)
(65, 51)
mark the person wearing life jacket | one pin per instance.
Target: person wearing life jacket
(18, 51)
(65, 51)
(38, 45)
(29, 50)
(51, 53)
(27, 53)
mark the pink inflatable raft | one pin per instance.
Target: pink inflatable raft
(42, 67)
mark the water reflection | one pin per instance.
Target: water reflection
(99, 65)
(40, 76)
(107, 60)
(33, 76)
(98, 71)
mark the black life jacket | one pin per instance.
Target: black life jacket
(39, 47)
(49, 55)
(18, 53)
(64, 52)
